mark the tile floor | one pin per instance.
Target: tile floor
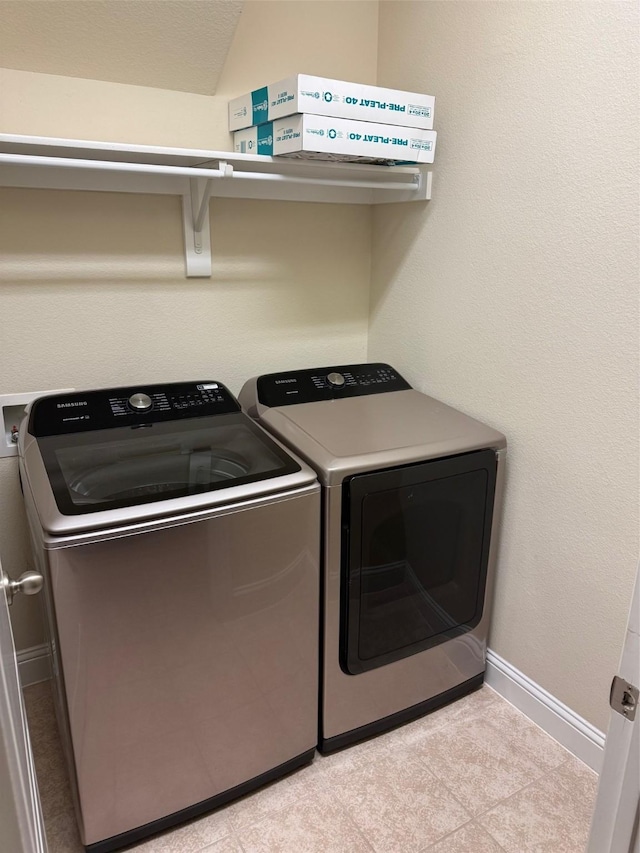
(474, 777)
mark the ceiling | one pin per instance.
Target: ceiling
(167, 44)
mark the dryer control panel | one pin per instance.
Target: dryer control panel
(328, 383)
(133, 406)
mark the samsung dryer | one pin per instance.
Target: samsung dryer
(411, 504)
(180, 548)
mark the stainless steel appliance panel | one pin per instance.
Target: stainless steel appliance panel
(342, 437)
(185, 655)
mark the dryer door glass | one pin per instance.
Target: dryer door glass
(415, 557)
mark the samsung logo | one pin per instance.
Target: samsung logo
(284, 381)
(69, 405)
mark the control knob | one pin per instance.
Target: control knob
(140, 402)
(335, 379)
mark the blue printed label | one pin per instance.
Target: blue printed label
(260, 105)
(265, 139)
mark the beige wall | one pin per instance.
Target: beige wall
(92, 288)
(513, 296)
(313, 43)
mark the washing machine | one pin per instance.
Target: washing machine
(180, 548)
(411, 506)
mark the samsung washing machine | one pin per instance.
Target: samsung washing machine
(411, 504)
(180, 548)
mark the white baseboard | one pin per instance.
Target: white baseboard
(570, 730)
(34, 665)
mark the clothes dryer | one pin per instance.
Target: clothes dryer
(412, 493)
(179, 544)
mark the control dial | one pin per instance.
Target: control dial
(140, 402)
(335, 379)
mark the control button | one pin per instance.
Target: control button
(140, 402)
(335, 379)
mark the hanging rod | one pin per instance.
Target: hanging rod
(224, 171)
(413, 184)
(108, 165)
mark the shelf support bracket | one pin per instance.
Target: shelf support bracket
(199, 201)
(195, 218)
(197, 243)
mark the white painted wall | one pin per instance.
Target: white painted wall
(92, 287)
(514, 297)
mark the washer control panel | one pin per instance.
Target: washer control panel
(328, 383)
(132, 406)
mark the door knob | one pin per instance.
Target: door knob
(29, 583)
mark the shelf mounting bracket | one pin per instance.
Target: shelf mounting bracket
(195, 219)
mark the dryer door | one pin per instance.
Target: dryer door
(415, 555)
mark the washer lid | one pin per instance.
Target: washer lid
(83, 474)
(122, 467)
(341, 437)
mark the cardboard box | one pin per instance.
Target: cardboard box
(303, 93)
(323, 138)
